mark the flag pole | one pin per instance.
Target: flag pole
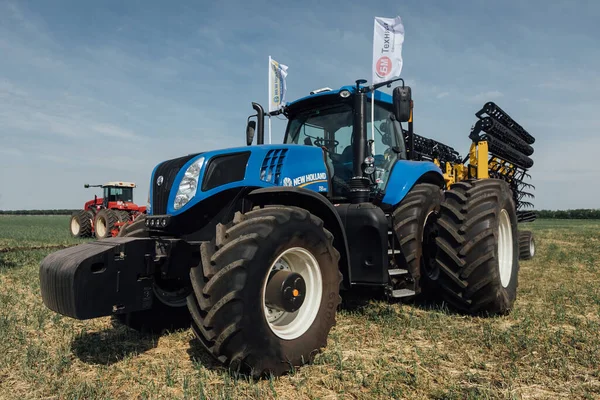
(373, 123)
(269, 100)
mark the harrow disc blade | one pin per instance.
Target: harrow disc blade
(490, 108)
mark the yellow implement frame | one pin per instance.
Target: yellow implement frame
(478, 166)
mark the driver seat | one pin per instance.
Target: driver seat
(346, 155)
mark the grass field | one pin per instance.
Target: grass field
(548, 347)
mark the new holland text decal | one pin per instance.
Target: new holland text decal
(304, 180)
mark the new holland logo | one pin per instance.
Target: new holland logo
(159, 181)
(305, 180)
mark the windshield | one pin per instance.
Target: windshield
(118, 194)
(331, 127)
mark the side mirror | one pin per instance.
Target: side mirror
(402, 103)
(87, 185)
(250, 132)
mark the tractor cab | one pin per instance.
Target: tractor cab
(326, 120)
(361, 145)
(113, 192)
(118, 191)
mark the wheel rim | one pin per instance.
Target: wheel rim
(505, 248)
(171, 296)
(531, 247)
(100, 227)
(291, 325)
(74, 226)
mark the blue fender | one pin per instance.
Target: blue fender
(405, 174)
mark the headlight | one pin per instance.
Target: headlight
(369, 168)
(188, 185)
(148, 204)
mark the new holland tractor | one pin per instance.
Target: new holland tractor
(105, 216)
(252, 246)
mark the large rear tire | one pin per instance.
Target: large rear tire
(161, 316)
(81, 224)
(414, 219)
(123, 216)
(233, 309)
(526, 245)
(477, 253)
(105, 223)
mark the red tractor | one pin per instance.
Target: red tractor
(103, 217)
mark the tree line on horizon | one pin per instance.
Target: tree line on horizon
(580, 213)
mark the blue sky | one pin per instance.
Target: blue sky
(99, 91)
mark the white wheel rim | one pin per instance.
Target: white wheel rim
(505, 248)
(291, 325)
(74, 226)
(100, 227)
(531, 247)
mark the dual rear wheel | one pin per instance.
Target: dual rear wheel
(83, 222)
(461, 246)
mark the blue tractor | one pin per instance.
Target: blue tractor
(252, 246)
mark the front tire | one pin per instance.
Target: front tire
(478, 257)
(161, 316)
(234, 288)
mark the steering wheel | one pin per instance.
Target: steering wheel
(321, 142)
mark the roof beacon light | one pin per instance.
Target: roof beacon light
(325, 89)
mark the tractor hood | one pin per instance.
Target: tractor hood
(179, 184)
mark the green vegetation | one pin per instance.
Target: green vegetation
(548, 347)
(579, 213)
(37, 212)
(543, 214)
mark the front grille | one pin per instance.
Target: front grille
(225, 169)
(270, 171)
(168, 170)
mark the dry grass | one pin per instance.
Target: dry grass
(548, 347)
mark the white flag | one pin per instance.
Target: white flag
(277, 86)
(388, 37)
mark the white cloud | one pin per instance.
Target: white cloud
(442, 95)
(115, 132)
(485, 96)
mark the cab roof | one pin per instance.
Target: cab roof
(379, 96)
(119, 184)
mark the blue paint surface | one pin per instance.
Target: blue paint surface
(379, 96)
(299, 165)
(403, 177)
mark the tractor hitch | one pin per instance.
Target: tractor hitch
(110, 276)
